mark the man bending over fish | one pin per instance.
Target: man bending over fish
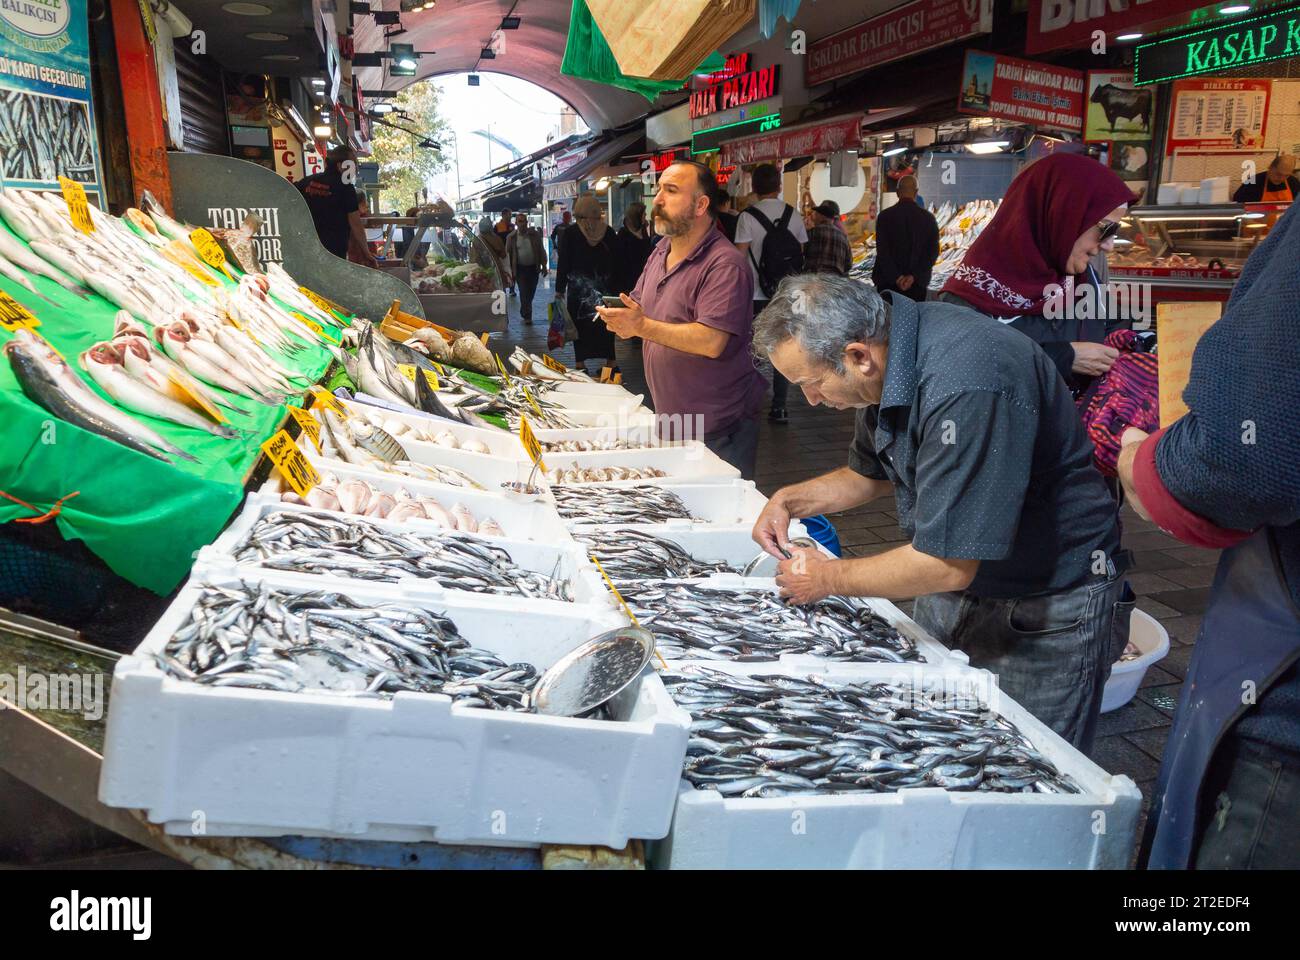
(1014, 555)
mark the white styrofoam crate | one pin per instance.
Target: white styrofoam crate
(564, 560)
(590, 388)
(501, 443)
(491, 472)
(608, 403)
(521, 520)
(616, 420)
(413, 768)
(693, 462)
(925, 828)
(930, 649)
(641, 433)
(728, 502)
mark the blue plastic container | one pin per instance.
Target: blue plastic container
(823, 531)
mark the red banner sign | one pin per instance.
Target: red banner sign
(809, 141)
(736, 91)
(1038, 94)
(903, 31)
(1054, 24)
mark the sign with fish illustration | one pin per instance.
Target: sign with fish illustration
(47, 122)
(293, 466)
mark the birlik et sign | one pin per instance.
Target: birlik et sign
(1273, 35)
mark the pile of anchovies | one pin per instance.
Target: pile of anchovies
(637, 555)
(253, 635)
(322, 543)
(778, 736)
(696, 622)
(643, 503)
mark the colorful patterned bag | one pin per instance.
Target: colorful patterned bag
(1127, 395)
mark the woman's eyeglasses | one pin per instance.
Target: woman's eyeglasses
(1108, 229)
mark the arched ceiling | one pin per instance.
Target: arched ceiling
(458, 30)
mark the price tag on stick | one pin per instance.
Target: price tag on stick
(78, 206)
(293, 466)
(310, 427)
(326, 399)
(321, 303)
(529, 440)
(208, 248)
(552, 364)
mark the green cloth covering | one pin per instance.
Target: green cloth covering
(587, 55)
(146, 519)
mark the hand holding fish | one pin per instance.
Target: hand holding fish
(771, 530)
(625, 323)
(803, 578)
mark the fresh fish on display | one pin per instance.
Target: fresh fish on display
(177, 342)
(692, 621)
(316, 543)
(594, 446)
(360, 498)
(256, 636)
(238, 244)
(105, 362)
(20, 256)
(521, 359)
(637, 555)
(604, 474)
(147, 364)
(48, 381)
(639, 504)
(775, 736)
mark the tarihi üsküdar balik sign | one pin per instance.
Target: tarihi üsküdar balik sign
(1272, 35)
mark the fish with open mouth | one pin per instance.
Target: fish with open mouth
(106, 364)
(48, 381)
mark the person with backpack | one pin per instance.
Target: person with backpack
(771, 235)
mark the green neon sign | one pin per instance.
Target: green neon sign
(1273, 35)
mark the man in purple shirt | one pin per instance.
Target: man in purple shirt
(693, 308)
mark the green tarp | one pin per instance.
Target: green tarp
(146, 519)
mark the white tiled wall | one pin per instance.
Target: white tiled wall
(1281, 133)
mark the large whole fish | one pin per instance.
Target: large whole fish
(105, 362)
(47, 380)
(178, 343)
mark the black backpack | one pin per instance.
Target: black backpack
(782, 253)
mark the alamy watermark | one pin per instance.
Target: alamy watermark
(81, 693)
(1118, 299)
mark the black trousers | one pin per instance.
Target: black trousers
(527, 278)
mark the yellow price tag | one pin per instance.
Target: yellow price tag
(529, 397)
(552, 364)
(320, 302)
(529, 440)
(438, 366)
(208, 248)
(178, 254)
(309, 425)
(293, 466)
(502, 367)
(408, 371)
(327, 399)
(78, 206)
(13, 315)
(605, 374)
(146, 14)
(193, 398)
(483, 337)
(310, 324)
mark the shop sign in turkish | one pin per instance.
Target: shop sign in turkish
(1056, 24)
(1038, 94)
(707, 141)
(745, 86)
(808, 141)
(901, 32)
(1218, 116)
(1226, 45)
(47, 121)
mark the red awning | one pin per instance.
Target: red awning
(811, 139)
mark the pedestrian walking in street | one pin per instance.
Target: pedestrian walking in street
(588, 270)
(527, 263)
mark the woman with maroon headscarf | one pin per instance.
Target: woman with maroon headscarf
(1058, 213)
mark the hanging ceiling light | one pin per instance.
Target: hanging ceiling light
(988, 146)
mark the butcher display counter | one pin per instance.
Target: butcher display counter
(1189, 251)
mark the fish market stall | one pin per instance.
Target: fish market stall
(958, 228)
(456, 276)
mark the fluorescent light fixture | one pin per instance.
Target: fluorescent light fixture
(1124, 37)
(317, 82)
(1253, 215)
(324, 130)
(382, 107)
(1232, 8)
(988, 146)
(406, 63)
(602, 184)
(894, 151)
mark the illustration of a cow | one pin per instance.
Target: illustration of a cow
(1120, 104)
